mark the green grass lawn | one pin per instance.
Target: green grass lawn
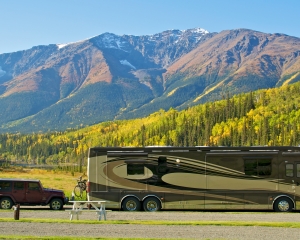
(164, 222)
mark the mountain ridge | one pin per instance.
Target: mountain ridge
(111, 77)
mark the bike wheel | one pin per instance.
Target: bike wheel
(78, 191)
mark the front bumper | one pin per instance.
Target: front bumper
(66, 200)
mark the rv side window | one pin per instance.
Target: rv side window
(289, 170)
(135, 169)
(258, 167)
(298, 169)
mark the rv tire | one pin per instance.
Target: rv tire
(283, 204)
(131, 204)
(151, 204)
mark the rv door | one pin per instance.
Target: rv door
(289, 174)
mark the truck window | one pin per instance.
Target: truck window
(289, 170)
(5, 186)
(19, 185)
(258, 167)
(135, 169)
(33, 186)
(298, 169)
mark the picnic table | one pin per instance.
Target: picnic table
(78, 208)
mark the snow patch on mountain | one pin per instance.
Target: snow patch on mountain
(62, 45)
(109, 40)
(2, 72)
(180, 35)
(198, 30)
(125, 62)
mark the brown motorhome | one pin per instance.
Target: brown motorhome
(198, 178)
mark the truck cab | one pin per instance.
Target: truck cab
(29, 192)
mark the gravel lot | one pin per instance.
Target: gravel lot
(150, 231)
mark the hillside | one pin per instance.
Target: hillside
(238, 61)
(265, 117)
(111, 77)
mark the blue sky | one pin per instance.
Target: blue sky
(24, 24)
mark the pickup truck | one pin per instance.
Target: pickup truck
(29, 192)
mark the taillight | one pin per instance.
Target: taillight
(88, 187)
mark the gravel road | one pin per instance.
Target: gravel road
(151, 231)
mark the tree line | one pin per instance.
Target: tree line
(265, 117)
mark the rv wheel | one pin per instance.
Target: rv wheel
(283, 204)
(131, 204)
(151, 204)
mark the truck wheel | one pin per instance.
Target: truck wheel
(283, 204)
(131, 204)
(6, 203)
(151, 204)
(56, 204)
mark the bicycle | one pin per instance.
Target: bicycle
(80, 187)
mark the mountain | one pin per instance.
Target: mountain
(238, 61)
(109, 77)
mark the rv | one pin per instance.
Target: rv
(195, 178)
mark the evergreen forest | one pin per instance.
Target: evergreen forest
(265, 117)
